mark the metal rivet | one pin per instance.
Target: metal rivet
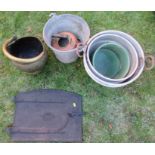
(74, 104)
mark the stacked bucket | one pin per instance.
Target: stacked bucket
(113, 58)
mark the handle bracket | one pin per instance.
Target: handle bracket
(149, 62)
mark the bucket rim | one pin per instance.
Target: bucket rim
(21, 60)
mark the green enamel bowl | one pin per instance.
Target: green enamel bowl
(111, 60)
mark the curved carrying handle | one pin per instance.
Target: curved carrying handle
(12, 40)
(149, 62)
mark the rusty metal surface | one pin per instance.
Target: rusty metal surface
(47, 115)
(64, 41)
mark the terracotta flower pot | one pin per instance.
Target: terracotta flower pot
(26, 53)
(67, 43)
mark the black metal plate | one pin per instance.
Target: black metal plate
(47, 115)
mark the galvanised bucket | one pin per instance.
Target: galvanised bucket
(66, 23)
(100, 39)
(132, 45)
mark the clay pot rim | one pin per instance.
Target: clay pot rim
(21, 60)
(68, 47)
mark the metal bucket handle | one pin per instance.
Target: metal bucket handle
(149, 62)
(52, 14)
(12, 40)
